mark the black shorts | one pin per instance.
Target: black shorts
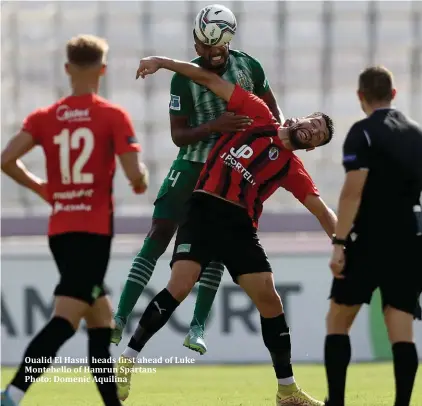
(219, 231)
(82, 260)
(394, 267)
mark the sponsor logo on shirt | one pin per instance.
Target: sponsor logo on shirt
(230, 159)
(244, 151)
(65, 113)
(68, 208)
(73, 194)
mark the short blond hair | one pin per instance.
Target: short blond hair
(86, 50)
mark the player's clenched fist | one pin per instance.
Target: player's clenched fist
(141, 184)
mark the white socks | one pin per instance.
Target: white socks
(15, 394)
(130, 353)
(286, 381)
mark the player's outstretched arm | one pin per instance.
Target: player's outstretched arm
(219, 86)
(13, 167)
(326, 217)
(300, 184)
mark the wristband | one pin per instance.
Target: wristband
(338, 241)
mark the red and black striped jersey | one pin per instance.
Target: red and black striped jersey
(248, 167)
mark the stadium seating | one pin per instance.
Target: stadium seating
(312, 53)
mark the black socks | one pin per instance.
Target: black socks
(405, 367)
(103, 372)
(41, 352)
(338, 353)
(155, 316)
(276, 335)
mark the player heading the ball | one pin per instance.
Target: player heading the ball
(242, 171)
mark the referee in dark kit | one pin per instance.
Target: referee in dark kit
(378, 240)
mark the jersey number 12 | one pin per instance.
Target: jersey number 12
(68, 141)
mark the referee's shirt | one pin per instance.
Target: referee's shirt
(389, 146)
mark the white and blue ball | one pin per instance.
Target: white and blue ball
(215, 25)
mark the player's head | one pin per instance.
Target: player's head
(376, 88)
(311, 131)
(86, 56)
(213, 58)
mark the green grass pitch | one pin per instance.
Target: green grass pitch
(368, 385)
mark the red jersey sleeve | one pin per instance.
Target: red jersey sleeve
(31, 125)
(245, 103)
(124, 136)
(298, 181)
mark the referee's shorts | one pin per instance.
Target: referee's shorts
(395, 267)
(82, 260)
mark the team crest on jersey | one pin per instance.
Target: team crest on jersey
(244, 81)
(273, 153)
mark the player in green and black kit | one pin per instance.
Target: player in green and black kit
(197, 119)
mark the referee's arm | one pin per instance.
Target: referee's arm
(356, 164)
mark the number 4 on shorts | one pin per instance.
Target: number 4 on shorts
(174, 176)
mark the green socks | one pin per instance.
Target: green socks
(208, 286)
(139, 275)
(141, 271)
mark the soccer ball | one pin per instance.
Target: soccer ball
(215, 25)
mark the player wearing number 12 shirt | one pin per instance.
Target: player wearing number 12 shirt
(81, 136)
(241, 172)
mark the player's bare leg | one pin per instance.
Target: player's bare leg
(276, 335)
(337, 351)
(143, 265)
(184, 275)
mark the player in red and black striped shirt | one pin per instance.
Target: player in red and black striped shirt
(242, 171)
(247, 168)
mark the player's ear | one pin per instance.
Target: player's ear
(103, 69)
(66, 68)
(393, 94)
(360, 95)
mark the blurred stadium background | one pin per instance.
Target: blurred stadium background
(312, 53)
